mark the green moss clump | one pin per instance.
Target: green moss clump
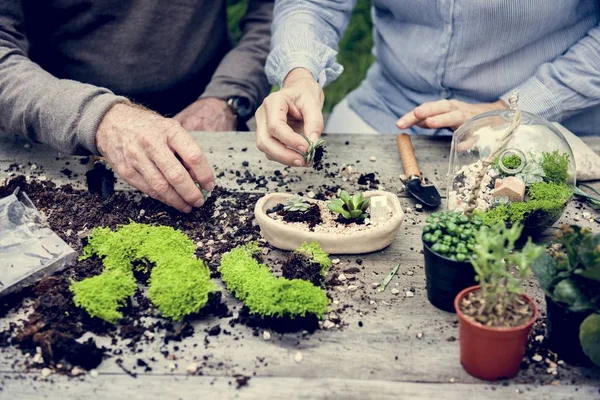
(556, 167)
(264, 294)
(102, 295)
(179, 283)
(314, 252)
(512, 161)
(543, 196)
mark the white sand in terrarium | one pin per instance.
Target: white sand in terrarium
(329, 224)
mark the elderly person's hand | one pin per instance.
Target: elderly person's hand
(143, 149)
(207, 114)
(445, 114)
(289, 116)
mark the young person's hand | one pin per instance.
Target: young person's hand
(288, 116)
(207, 114)
(142, 148)
(445, 114)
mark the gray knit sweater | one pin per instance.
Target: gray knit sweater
(64, 63)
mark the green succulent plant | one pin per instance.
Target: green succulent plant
(350, 208)
(297, 204)
(309, 156)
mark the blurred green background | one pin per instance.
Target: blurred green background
(355, 48)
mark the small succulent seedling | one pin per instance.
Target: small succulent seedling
(297, 204)
(502, 200)
(350, 208)
(310, 155)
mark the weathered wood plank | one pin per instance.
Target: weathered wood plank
(111, 387)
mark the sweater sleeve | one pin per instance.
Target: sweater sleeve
(61, 113)
(567, 85)
(306, 34)
(242, 70)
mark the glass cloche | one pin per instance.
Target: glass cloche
(512, 166)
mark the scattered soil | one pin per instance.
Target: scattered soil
(298, 266)
(284, 324)
(518, 312)
(318, 158)
(369, 180)
(312, 217)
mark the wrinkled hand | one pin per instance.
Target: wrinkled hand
(287, 114)
(207, 114)
(141, 147)
(445, 114)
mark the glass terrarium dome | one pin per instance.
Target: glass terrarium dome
(511, 166)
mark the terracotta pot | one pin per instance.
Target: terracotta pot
(491, 353)
(286, 237)
(445, 278)
(562, 330)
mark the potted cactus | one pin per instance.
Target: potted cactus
(495, 317)
(448, 243)
(569, 273)
(346, 224)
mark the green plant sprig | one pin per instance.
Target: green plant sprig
(492, 260)
(314, 252)
(309, 155)
(297, 204)
(351, 208)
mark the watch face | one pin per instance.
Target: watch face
(241, 106)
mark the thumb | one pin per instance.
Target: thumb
(313, 121)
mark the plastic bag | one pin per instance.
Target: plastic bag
(29, 249)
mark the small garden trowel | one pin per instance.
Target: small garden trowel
(417, 186)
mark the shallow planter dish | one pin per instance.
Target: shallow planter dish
(445, 278)
(562, 329)
(491, 353)
(287, 237)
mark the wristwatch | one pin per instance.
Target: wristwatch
(241, 108)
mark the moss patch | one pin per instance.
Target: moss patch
(179, 282)
(313, 251)
(547, 197)
(556, 167)
(264, 294)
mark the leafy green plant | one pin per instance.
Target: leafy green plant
(351, 208)
(179, 283)
(556, 167)
(310, 154)
(314, 252)
(532, 173)
(265, 295)
(592, 199)
(297, 204)
(570, 277)
(493, 257)
(451, 234)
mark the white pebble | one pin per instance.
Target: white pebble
(420, 335)
(27, 146)
(311, 194)
(410, 273)
(335, 261)
(266, 335)
(539, 338)
(33, 167)
(94, 373)
(298, 358)
(76, 371)
(46, 372)
(395, 291)
(409, 294)
(372, 158)
(352, 288)
(342, 277)
(408, 210)
(374, 285)
(192, 368)
(37, 359)
(328, 324)
(586, 215)
(537, 358)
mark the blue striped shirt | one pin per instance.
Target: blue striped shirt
(470, 50)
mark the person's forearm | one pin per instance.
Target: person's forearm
(567, 85)
(241, 72)
(62, 113)
(306, 34)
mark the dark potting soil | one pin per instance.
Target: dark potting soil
(56, 323)
(298, 266)
(517, 313)
(318, 158)
(369, 179)
(312, 217)
(283, 324)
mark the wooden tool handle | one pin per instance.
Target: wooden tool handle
(407, 155)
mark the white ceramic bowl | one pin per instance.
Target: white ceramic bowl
(286, 237)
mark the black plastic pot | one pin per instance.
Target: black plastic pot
(445, 278)
(562, 329)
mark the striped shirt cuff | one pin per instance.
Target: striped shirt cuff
(536, 98)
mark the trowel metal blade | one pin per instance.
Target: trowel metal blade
(426, 194)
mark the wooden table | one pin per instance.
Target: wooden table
(382, 359)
